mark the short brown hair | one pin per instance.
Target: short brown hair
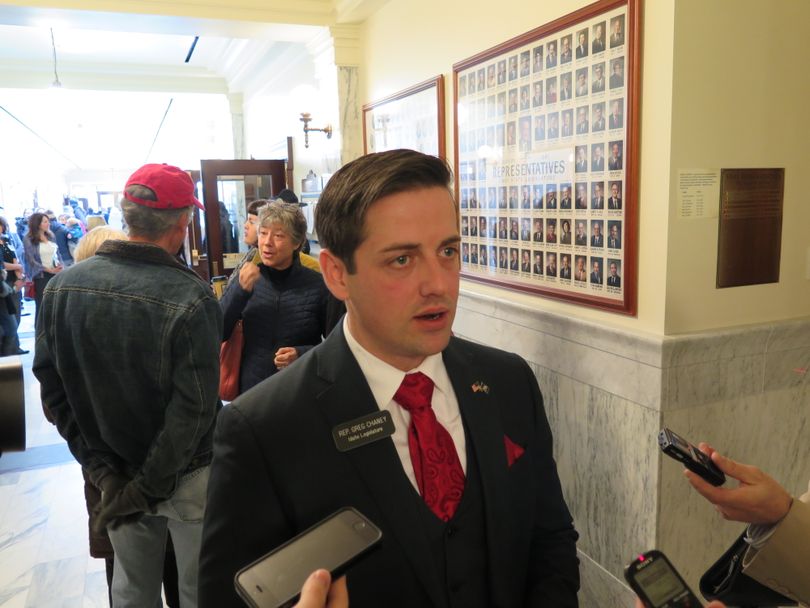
(342, 207)
(253, 208)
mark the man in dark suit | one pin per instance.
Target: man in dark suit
(581, 238)
(614, 280)
(597, 238)
(565, 267)
(551, 264)
(598, 44)
(582, 47)
(538, 263)
(614, 238)
(596, 273)
(615, 160)
(597, 200)
(490, 525)
(615, 200)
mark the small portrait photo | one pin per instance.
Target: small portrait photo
(491, 79)
(482, 81)
(598, 38)
(598, 122)
(537, 267)
(597, 195)
(513, 101)
(582, 44)
(514, 260)
(493, 256)
(513, 67)
(502, 197)
(617, 31)
(582, 125)
(614, 277)
(471, 170)
(490, 198)
(482, 256)
(525, 229)
(500, 104)
(598, 156)
(525, 260)
(503, 258)
(551, 264)
(514, 230)
(614, 237)
(615, 162)
(551, 90)
(525, 128)
(566, 49)
(539, 127)
(598, 77)
(581, 200)
(597, 233)
(565, 232)
(566, 91)
(580, 271)
(474, 225)
(462, 86)
(551, 54)
(537, 196)
(525, 197)
(492, 107)
(465, 226)
(491, 135)
(537, 63)
(597, 275)
(464, 198)
(565, 196)
(616, 79)
(525, 98)
(537, 94)
(482, 227)
(581, 234)
(551, 196)
(511, 135)
(499, 134)
(581, 154)
(616, 116)
(582, 82)
(551, 230)
(513, 197)
(553, 126)
(565, 267)
(615, 198)
(502, 71)
(465, 253)
(503, 231)
(525, 63)
(537, 234)
(567, 128)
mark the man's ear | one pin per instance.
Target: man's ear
(334, 274)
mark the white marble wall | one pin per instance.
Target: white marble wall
(351, 129)
(608, 392)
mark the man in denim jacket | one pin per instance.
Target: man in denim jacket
(127, 354)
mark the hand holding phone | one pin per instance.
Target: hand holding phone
(692, 458)
(657, 583)
(275, 580)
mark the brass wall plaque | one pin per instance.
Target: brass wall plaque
(750, 232)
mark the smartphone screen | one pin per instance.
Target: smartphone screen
(658, 584)
(275, 580)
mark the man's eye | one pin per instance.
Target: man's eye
(450, 252)
(401, 260)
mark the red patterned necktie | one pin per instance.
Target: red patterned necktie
(438, 472)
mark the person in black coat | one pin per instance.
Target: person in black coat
(284, 306)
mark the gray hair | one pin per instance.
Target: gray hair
(289, 216)
(147, 222)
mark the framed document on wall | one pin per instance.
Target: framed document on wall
(413, 118)
(546, 156)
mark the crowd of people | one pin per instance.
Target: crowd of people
(353, 391)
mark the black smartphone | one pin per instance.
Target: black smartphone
(657, 583)
(275, 580)
(692, 458)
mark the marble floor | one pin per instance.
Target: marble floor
(44, 557)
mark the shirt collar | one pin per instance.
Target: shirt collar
(384, 379)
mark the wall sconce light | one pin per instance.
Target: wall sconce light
(306, 118)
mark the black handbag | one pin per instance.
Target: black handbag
(726, 582)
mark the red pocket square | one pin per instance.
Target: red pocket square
(513, 451)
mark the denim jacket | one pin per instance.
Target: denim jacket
(127, 355)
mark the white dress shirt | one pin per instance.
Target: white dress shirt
(384, 380)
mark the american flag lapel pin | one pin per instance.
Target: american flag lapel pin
(480, 387)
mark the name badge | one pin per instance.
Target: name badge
(362, 431)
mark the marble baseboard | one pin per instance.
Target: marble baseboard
(599, 588)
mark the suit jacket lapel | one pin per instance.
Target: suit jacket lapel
(485, 435)
(347, 396)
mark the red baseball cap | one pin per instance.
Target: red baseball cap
(172, 186)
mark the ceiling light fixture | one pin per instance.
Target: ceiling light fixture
(55, 84)
(306, 118)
